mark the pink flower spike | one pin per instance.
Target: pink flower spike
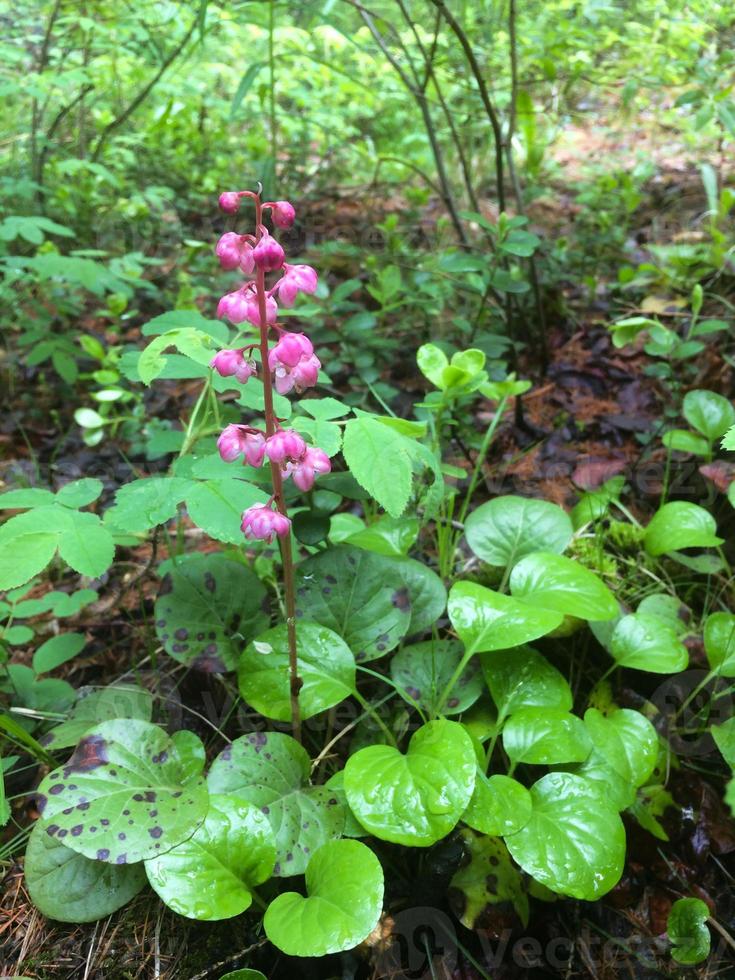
(228, 250)
(262, 523)
(296, 279)
(229, 202)
(289, 350)
(235, 306)
(268, 254)
(283, 214)
(313, 463)
(285, 446)
(229, 363)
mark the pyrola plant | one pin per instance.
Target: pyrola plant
(289, 365)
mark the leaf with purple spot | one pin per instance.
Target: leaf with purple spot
(207, 609)
(271, 770)
(210, 875)
(423, 671)
(129, 792)
(69, 887)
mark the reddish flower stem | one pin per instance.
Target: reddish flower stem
(295, 682)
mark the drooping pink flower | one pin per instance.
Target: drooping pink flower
(296, 279)
(229, 202)
(228, 250)
(262, 523)
(289, 350)
(268, 254)
(313, 463)
(253, 311)
(283, 214)
(229, 363)
(235, 306)
(285, 446)
(238, 440)
(293, 363)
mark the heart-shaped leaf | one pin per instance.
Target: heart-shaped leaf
(425, 593)
(719, 642)
(708, 413)
(417, 798)
(489, 878)
(554, 582)
(574, 842)
(423, 670)
(210, 875)
(545, 736)
(506, 529)
(326, 666)
(499, 805)
(207, 608)
(69, 887)
(522, 678)
(344, 882)
(646, 642)
(271, 770)
(359, 595)
(688, 932)
(128, 792)
(624, 753)
(93, 707)
(486, 620)
(680, 524)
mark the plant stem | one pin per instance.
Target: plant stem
(295, 681)
(480, 461)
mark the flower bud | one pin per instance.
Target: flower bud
(289, 350)
(253, 310)
(262, 523)
(229, 202)
(283, 214)
(268, 254)
(285, 446)
(296, 279)
(229, 363)
(237, 440)
(313, 463)
(235, 306)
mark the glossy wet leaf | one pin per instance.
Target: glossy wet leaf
(486, 882)
(423, 670)
(69, 887)
(709, 413)
(344, 884)
(688, 932)
(336, 783)
(684, 441)
(326, 667)
(719, 642)
(487, 620)
(506, 529)
(93, 707)
(678, 525)
(393, 536)
(210, 875)
(208, 608)
(127, 793)
(359, 595)
(417, 798)
(574, 841)
(522, 678)
(545, 736)
(646, 642)
(271, 771)
(425, 592)
(624, 753)
(500, 805)
(553, 582)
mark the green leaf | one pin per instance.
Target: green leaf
(425, 592)
(86, 545)
(423, 671)
(245, 85)
(344, 882)
(56, 651)
(680, 524)
(189, 341)
(522, 678)
(93, 707)
(79, 493)
(684, 441)
(506, 529)
(325, 663)
(574, 842)
(719, 642)
(21, 499)
(545, 736)
(487, 879)
(207, 608)
(499, 805)
(393, 536)
(724, 736)
(23, 555)
(417, 798)
(143, 504)
(550, 581)
(432, 361)
(271, 770)
(624, 753)
(69, 887)
(216, 506)
(647, 642)
(125, 778)
(380, 460)
(359, 595)
(326, 435)
(708, 413)
(688, 932)
(87, 418)
(210, 875)
(486, 620)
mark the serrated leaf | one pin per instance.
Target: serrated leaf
(380, 461)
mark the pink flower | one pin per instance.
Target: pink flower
(293, 363)
(233, 362)
(285, 446)
(229, 202)
(296, 279)
(313, 463)
(262, 523)
(283, 214)
(237, 440)
(235, 306)
(253, 312)
(268, 254)
(289, 350)
(233, 250)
